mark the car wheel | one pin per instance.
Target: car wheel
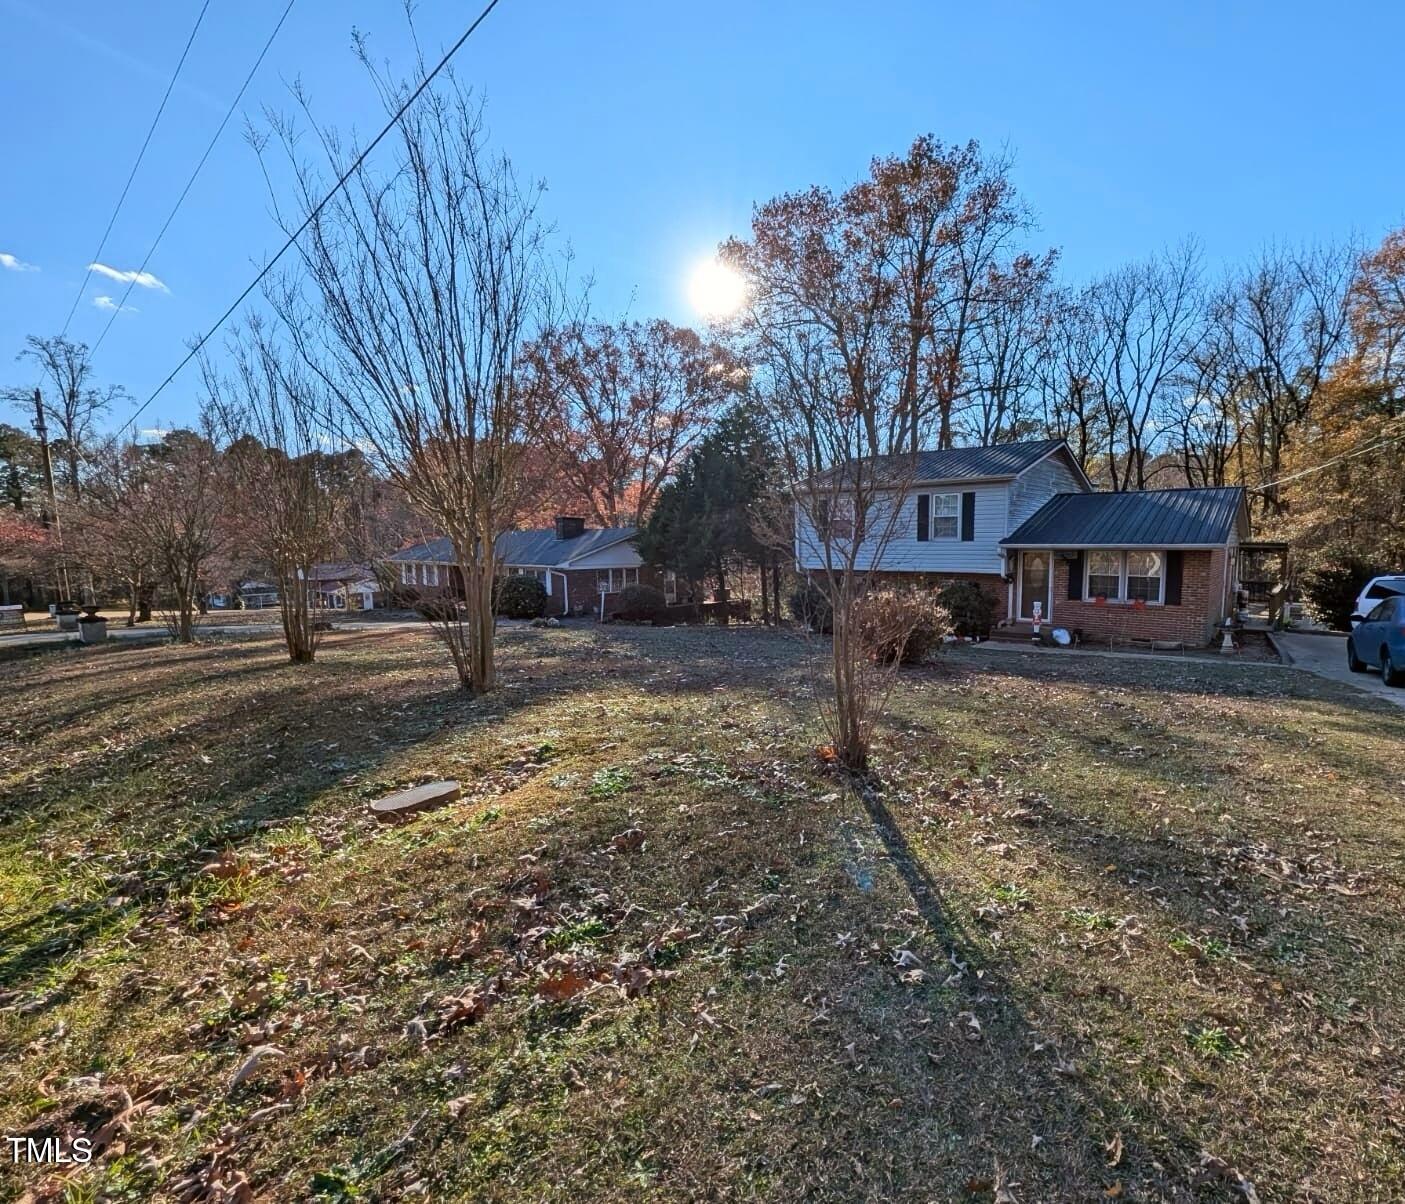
(1353, 662)
(1390, 673)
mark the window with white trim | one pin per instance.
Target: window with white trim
(1145, 576)
(1134, 576)
(407, 573)
(611, 581)
(945, 517)
(1105, 575)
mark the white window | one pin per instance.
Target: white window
(610, 581)
(1104, 575)
(945, 522)
(434, 574)
(1144, 576)
(1136, 576)
(407, 574)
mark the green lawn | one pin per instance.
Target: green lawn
(1112, 928)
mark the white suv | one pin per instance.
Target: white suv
(1376, 589)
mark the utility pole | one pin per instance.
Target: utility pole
(49, 516)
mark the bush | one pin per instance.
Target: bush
(901, 626)
(971, 607)
(521, 597)
(810, 605)
(1331, 590)
(438, 610)
(641, 603)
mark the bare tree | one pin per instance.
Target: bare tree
(1282, 323)
(71, 401)
(164, 508)
(622, 407)
(1066, 380)
(428, 277)
(1148, 318)
(292, 490)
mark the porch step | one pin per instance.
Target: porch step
(1021, 634)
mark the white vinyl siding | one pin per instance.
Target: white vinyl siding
(1038, 484)
(904, 553)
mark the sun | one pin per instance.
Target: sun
(716, 290)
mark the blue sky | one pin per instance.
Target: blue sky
(658, 125)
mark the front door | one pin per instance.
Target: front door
(1035, 577)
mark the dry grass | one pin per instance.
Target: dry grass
(1110, 930)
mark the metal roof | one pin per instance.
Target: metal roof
(996, 462)
(530, 549)
(1165, 518)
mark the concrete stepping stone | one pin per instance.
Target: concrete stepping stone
(404, 803)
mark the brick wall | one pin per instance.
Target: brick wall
(1192, 622)
(584, 591)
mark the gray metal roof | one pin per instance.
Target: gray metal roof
(530, 549)
(1164, 518)
(998, 462)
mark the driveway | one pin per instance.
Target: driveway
(1325, 655)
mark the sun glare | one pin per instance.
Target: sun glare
(716, 290)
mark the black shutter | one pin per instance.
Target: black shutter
(1175, 570)
(1075, 578)
(924, 517)
(968, 516)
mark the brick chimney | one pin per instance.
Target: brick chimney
(569, 526)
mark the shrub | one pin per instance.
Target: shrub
(438, 610)
(641, 603)
(809, 604)
(901, 626)
(971, 607)
(521, 597)
(1331, 590)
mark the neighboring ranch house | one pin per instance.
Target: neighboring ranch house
(345, 586)
(579, 566)
(1023, 520)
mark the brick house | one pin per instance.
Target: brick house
(1023, 520)
(582, 568)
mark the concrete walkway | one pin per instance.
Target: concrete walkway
(1325, 655)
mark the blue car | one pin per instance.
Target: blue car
(1378, 640)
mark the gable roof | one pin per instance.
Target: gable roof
(976, 463)
(1164, 518)
(992, 462)
(528, 549)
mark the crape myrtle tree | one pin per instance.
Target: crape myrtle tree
(426, 277)
(164, 507)
(623, 405)
(291, 491)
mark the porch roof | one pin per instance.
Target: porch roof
(1156, 518)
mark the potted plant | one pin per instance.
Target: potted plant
(92, 628)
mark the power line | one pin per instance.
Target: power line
(1360, 451)
(337, 187)
(190, 183)
(132, 175)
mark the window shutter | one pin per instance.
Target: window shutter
(1075, 578)
(924, 517)
(968, 516)
(1175, 570)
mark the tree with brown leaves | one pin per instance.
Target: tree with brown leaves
(623, 406)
